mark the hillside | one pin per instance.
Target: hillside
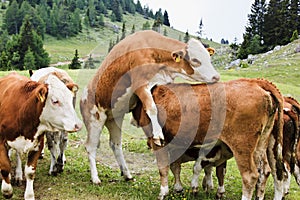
(96, 41)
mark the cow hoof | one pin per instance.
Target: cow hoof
(7, 196)
(219, 196)
(95, 182)
(130, 179)
(41, 156)
(18, 183)
(157, 142)
(195, 191)
(53, 173)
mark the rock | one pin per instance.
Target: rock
(234, 64)
(297, 49)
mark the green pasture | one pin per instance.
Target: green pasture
(74, 182)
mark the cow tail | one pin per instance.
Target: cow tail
(278, 124)
(294, 116)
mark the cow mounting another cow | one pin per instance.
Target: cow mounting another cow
(136, 64)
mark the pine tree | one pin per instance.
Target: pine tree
(166, 19)
(186, 37)
(30, 39)
(29, 60)
(139, 7)
(133, 29)
(123, 31)
(75, 64)
(274, 24)
(255, 29)
(117, 10)
(12, 21)
(200, 31)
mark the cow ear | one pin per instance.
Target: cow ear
(211, 51)
(177, 55)
(73, 87)
(42, 93)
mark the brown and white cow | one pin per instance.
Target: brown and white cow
(236, 116)
(291, 154)
(136, 64)
(56, 141)
(27, 110)
(291, 150)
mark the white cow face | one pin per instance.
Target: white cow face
(199, 59)
(58, 112)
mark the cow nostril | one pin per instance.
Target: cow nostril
(77, 127)
(216, 78)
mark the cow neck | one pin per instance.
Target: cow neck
(29, 116)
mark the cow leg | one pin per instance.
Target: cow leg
(144, 93)
(162, 158)
(52, 143)
(61, 160)
(207, 182)
(114, 128)
(19, 171)
(30, 169)
(277, 169)
(5, 168)
(176, 168)
(248, 171)
(94, 125)
(196, 174)
(221, 171)
(264, 172)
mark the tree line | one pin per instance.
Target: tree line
(58, 18)
(270, 23)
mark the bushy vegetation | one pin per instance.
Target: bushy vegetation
(271, 23)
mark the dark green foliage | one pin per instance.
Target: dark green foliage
(89, 64)
(200, 31)
(24, 50)
(186, 37)
(166, 19)
(270, 25)
(75, 64)
(295, 36)
(146, 26)
(123, 31)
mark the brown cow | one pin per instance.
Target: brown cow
(239, 113)
(136, 64)
(27, 110)
(290, 155)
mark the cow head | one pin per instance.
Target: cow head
(199, 66)
(58, 112)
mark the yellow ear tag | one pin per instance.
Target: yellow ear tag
(41, 98)
(177, 59)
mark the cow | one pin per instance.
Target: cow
(291, 154)
(27, 110)
(56, 141)
(136, 64)
(234, 117)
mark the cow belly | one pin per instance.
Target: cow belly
(23, 145)
(124, 103)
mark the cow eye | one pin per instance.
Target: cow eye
(195, 62)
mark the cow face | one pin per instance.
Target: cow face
(198, 57)
(58, 112)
